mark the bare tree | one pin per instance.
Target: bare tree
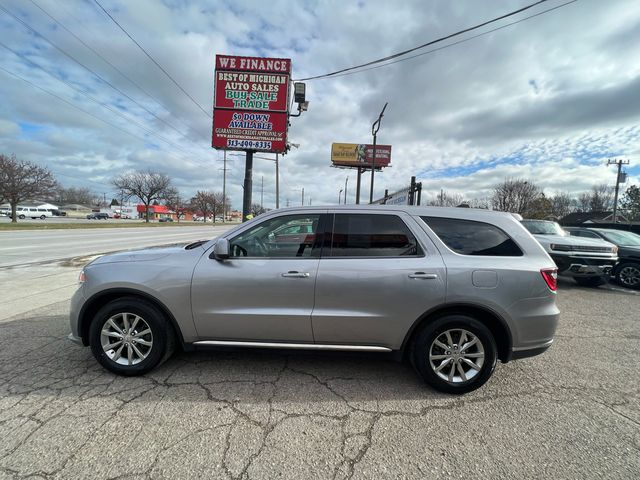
(203, 203)
(583, 202)
(175, 202)
(145, 186)
(483, 203)
(257, 209)
(21, 180)
(601, 198)
(81, 195)
(561, 205)
(514, 195)
(446, 199)
(539, 208)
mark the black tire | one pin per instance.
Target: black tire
(21, 217)
(589, 281)
(425, 339)
(162, 336)
(42, 217)
(628, 275)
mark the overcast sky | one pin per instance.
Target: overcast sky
(549, 99)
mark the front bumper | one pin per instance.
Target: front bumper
(582, 266)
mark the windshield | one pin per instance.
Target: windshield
(626, 239)
(543, 228)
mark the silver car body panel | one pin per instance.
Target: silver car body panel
(342, 302)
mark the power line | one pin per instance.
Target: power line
(68, 55)
(458, 42)
(89, 47)
(84, 93)
(432, 42)
(153, 59)
(81, 109)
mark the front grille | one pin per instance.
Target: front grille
(573, 248)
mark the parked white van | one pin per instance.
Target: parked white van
(33, 212)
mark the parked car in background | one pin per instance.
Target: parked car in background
(627, 271)
(32, 212)
(98, 216)
(5, 212)
(588, 261)
(452, 290)
(165, 219)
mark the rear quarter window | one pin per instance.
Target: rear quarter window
(469, 237)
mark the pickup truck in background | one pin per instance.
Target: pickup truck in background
(588, 261)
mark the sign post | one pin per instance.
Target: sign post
(251, 109)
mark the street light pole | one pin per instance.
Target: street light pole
(303, 196)
(374, 131)
(339, 196)
(346, 180)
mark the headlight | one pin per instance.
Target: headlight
(615, 249)
(81, 277)
(563, 248)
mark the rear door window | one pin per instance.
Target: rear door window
(371, 235)
(468, 237)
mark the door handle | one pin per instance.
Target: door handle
(423, 275)
(293, 274)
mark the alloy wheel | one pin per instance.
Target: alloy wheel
(629, 276)
(126, 338)
(456, 356)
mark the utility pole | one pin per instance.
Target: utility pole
(619, 163)
(288, 203)
(261, 192)
(374, 131)
(346, 180)
(224, 188)
(302, 196)
(277, 184)
(248, 185)
(339, 196)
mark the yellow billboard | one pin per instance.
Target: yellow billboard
(344, 153)
(359, 155)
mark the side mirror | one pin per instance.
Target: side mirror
(221, 249)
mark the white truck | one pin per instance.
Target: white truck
(588, 261)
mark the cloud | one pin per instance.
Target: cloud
(548, 99)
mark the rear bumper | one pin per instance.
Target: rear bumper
(520, 353)
(74, 339)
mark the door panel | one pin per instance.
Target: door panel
(376, 300)
(265, 291)
(249, 299)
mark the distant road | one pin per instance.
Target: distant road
(23, 247)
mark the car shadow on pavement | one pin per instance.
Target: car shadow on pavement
(35, 356)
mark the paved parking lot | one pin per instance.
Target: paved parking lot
(571, 413)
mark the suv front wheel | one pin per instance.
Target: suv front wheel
(454, 354)
(130, 336)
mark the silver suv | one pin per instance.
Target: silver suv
(450, 290)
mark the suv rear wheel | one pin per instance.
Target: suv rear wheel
(130, 336)
(454, 354)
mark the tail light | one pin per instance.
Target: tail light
(550, 276)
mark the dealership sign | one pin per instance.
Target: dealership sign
(359, 155)
(251, 103)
